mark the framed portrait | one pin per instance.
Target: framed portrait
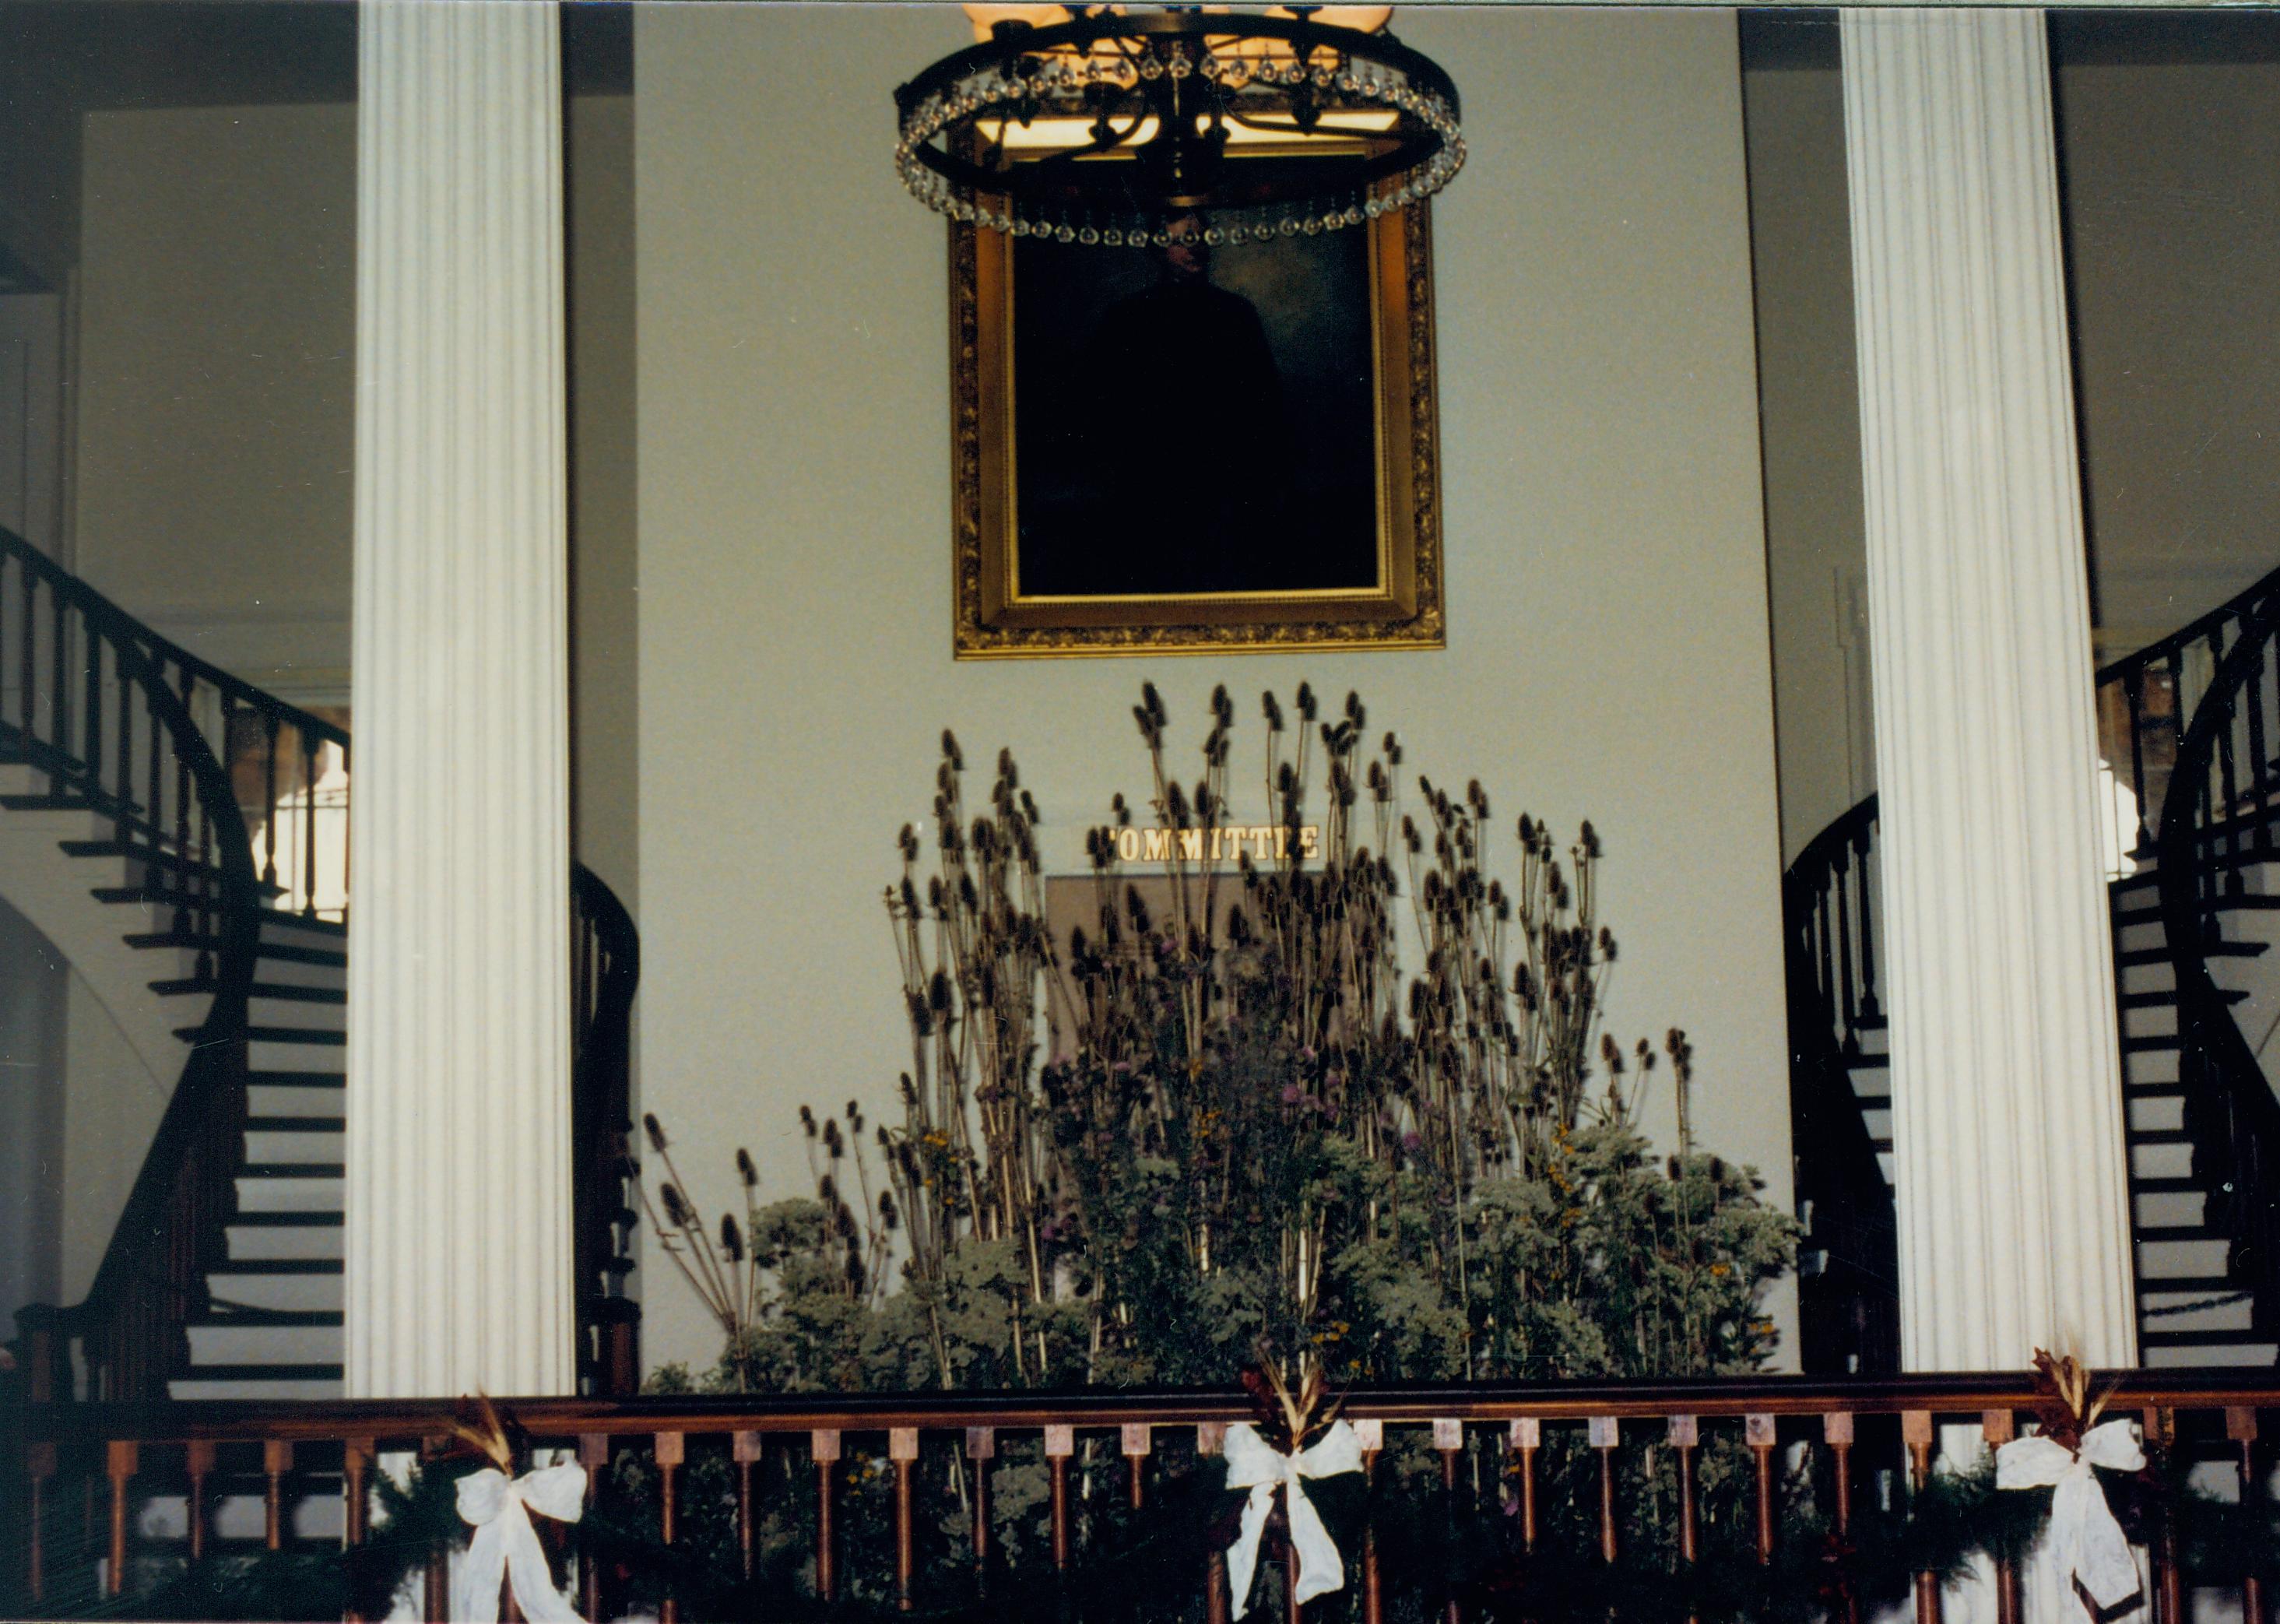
(1193, 445)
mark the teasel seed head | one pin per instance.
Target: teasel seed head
(656, 1134)
(746, 1171)
(732, 1238)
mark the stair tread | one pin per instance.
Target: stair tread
(293, 1170)
(256, 1268)
(261, 1373)
(2246, 1335)
(296, 1125)
(296, 1079)
(286, 992)
(316, 1036)
(287, 1220)
(2208, 950)
(287, 952)
(237, 1315)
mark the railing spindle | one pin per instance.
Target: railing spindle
(1060, 1444)
(594, 1455)
(1999, 1428)
(2240, 1430)
(270, 723)
(39, 1466)
(1848, 997)
(1916, 1433)
(824, 1446)
(1685, 1435)
(1863, 848)
(276, 1465)
(744, 1450)
(25, 691)
(903, 1451)
(91, 724)
(1211, 1443)
(1759, 1432)
(2160, 1424)
(125, 789)
(670, 1450)
(59, 723)
(981, 1449)
(2259, 766)
(1605, 1432)
(198, 1461)
(1525, 1437)
(122, 1461)
(1837, 1432)
(436, 1589)
(308, 825)
(1135, 1440)
(2133, 688)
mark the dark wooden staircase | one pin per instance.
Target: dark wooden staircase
(2194, 899)
(208, 819)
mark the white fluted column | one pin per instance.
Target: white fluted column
(459, 1192)
(2007, 1100)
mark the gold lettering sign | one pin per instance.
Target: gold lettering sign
(1262, 843)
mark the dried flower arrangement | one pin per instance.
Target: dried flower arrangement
(1171, 1147)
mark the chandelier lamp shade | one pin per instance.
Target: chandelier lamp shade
(1100, 126)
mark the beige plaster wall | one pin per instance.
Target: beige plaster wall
(111, 1106)
(599, 184)
(1607, 628)
(1816, 548)
(2172, 190)
(216, 428)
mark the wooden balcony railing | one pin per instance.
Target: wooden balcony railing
(91, 1466)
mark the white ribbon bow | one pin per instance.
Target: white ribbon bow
(506, 1545)
(2085, 1540)
(1253, 1463)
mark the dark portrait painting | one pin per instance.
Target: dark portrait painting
(1196, 444)
(1195, 418)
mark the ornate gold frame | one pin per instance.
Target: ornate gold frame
(992, 620)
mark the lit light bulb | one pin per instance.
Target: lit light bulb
(986, 17)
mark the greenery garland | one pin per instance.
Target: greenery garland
(1147, 1567)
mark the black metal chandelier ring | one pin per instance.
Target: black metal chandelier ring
(1147, 105)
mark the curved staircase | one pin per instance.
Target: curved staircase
(195, 829)
(2190, 736)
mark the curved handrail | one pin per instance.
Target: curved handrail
(138, 1302)
(1849, 1304)
(2191, 632)
(605, 972)
(2144, 699)
(2230, 1109)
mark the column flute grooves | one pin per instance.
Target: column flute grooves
(459, 1183)
(2006, 1123)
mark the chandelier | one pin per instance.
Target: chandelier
(1094, 125)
